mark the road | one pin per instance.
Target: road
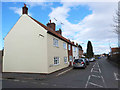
(99, 74)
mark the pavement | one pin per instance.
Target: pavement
(99, 74)
(33, 76)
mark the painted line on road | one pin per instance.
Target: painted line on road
(87, 81)
(96, 76)
(103, 81)
(16, 80)
(95, 71)
(98, 65)
(91, 69)
(94, 65)
(63, 72)
(116, 78)
(95, 84)
(99, 70)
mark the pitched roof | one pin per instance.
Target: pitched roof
(52, 31)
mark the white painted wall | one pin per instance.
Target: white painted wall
(75, 52)
(56, 51)
(24, 50)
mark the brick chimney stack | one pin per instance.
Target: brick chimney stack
(24, 9)
(73, 42)
(69, 40)
(76, 44)
(51, 25)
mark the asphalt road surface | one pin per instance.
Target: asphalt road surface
(99, 74)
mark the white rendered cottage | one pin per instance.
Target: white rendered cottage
(31, 47)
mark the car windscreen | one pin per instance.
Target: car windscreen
(78, 60)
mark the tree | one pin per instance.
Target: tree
(89, 52)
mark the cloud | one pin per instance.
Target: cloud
(32, 3)
(59, 0)
(18, 11)
(43, 4)
(95, 27)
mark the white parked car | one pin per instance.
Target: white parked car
(92, 59)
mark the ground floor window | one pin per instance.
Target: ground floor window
(56, 60)
(70, 58)
(65, 59)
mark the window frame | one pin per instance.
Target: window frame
(57, 59)
(74, 48)
(55, 42)
(65, 60)
(64, 45)
(69, 47)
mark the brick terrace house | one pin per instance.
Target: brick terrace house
(115, 51)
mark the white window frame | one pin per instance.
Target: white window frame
(74, 49)
(69, 47)
(65, 60)
(64, 45)
(77, 50)
(57, 61)
(55, 42)
(70, 58)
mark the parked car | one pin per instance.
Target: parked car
(87, 61)
(79, 63)
(92, 59)
(99, 57)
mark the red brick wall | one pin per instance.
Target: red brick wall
(69, 52)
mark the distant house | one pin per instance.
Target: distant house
(31, 47)
(115, 51)
(70, 52)
(75, 51)
(80, 51)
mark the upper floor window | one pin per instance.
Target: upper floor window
(55, 42)
(74, 49)
(64, 45)
(69, 47)
(77, 49)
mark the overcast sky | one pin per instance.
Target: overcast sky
(82, 21)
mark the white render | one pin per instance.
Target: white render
(27, 52)
(75, 52)
(54, 51)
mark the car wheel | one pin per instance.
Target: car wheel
(84, 67)
(73, 67)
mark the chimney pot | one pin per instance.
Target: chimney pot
(50, 21)
(59, 31)
(73, 42)
(24, 9)
(77, 44)
(24, 5)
